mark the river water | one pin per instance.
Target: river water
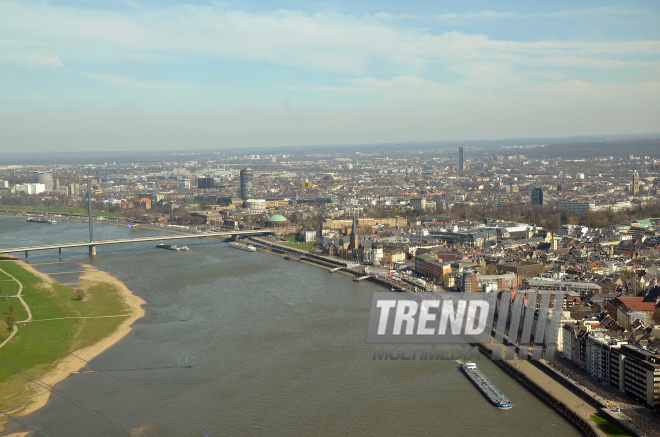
(277, 348)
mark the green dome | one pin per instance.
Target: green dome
(277, 218)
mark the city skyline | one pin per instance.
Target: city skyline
(167, 75)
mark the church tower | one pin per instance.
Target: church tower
(354, 236)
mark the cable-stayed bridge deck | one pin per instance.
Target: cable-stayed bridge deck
(93, 244)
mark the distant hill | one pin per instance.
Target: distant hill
(593, 150)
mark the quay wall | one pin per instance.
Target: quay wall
(565, 410)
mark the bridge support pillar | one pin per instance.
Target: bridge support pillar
(60, 253)
(26, 256)
(92, 250)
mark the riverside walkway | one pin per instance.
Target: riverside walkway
(573, 407)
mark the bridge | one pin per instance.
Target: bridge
(92, 244)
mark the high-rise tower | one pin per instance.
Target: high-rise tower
(537, 196)
(247, 184)
(635, 184)
(461, 162)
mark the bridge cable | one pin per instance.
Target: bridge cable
(119, 379)
(69, 399)
(15, 419)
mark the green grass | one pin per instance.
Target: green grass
(20, 313)
(8, 285)
(309, 247)
(34, 355)
(609, 428)
(57, 210)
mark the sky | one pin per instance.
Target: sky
(150, 75)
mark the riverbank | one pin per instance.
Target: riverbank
(567, 403)
(92, 326)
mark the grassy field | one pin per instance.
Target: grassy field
(35, 356)
(609, 428)
(57, 210)
(309, 247)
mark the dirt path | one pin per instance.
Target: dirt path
(81, 317)
(20, 298)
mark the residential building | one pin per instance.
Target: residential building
(418, 203)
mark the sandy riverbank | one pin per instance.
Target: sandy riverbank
(68, 365)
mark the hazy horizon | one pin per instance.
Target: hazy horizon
(146, 75)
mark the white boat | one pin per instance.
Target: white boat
(248, 247)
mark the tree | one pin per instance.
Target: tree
(81, 295)
(491, 269)
(656, 317)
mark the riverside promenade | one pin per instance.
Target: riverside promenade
(571, 406)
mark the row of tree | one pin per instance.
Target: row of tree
(550, 217)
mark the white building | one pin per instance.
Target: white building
(597, 357)
(308, 234)
(577, 207)
(30, 188)
(255, 206)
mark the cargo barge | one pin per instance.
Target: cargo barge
(172, 247)
(488, 389)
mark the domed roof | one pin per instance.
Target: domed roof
(277, 218)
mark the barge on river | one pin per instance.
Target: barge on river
(488, 389)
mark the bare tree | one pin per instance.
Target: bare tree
(491, 269)
(81, 295)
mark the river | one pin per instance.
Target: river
(276, 347)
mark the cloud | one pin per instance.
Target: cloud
(148, 85)
(322, 41)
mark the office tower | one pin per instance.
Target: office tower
(537, 196)
(461, 162)
(205, 183)
(247, 184)
(46, 178)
